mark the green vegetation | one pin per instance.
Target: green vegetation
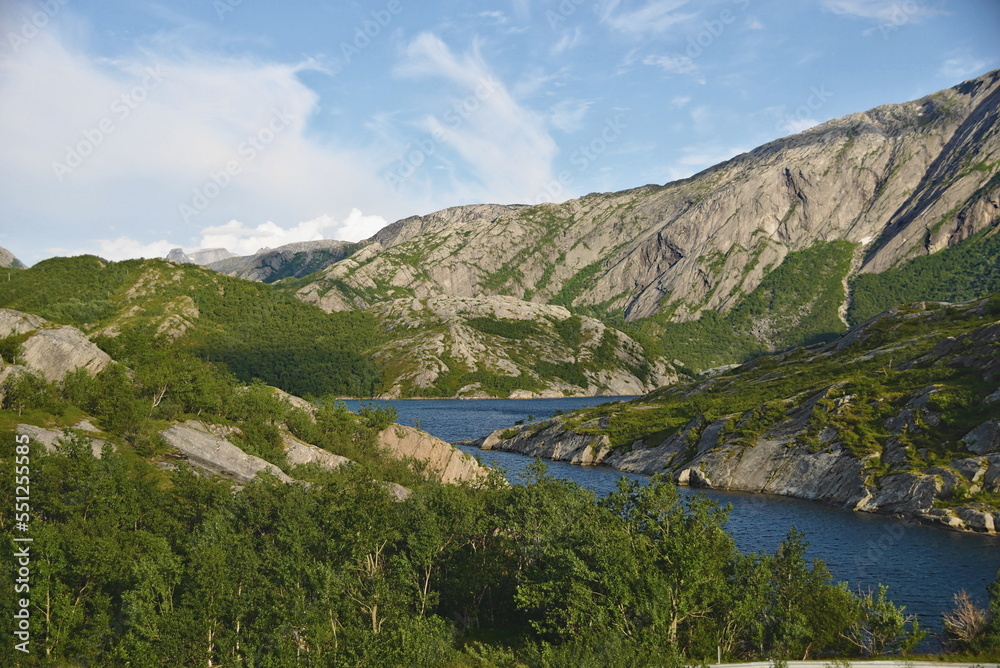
(796, 304)
(252, 329)
(968, 270)
(132, 563)
(856, 390)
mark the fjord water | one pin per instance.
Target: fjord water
(922, 566)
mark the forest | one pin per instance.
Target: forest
(137, 560)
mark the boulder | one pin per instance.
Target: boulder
(977, 519)
(984, 439)
(52, 351)
(300, 453)
(443, 460)
(55, 352)
(217, 455)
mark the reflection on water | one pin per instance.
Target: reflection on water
(923, 566)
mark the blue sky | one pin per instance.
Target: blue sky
(129, 128)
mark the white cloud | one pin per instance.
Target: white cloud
(680, 101)
(655, 16)
(754, 23)
(569, 40)
(672, 64)
(240, 238)
(893, 12)
(94, 143)
(959, 67)
(568, 115)
(505, 144)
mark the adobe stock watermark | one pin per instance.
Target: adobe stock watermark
(35, 23)
(217, 182)
(563, 11)
(22, 549)
(793, 122)
(416, 154)
(121, 109)
(900, 14)
(583, 157)
(713, 29)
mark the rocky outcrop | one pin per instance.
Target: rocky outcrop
(300, 453)
(8, 261)
(51, 439)
(52, 351)
(900, 180)
(535, 346)
(436, 458)
(289, 261)
(216, 455)
(549, 441)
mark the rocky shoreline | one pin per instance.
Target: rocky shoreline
(774, 464)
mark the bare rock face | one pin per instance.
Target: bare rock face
(8, 261)
(52, 351)
(300, 453)
(900, 181)
(203, 256)
(443, 461)
(216, 455)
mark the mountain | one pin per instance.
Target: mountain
(898, 182)
(897, 417)
(8, 261)
(289, 261)
(202, 256)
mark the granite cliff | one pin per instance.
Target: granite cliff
(898, 181)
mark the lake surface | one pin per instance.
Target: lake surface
(922, 566)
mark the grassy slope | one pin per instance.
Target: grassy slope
(881, 384)
(254, 330)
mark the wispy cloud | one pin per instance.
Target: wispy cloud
(95, 143)
(890, 11)
(570, 40)
(568, 115)
(656, 16)
(504, 143)
(958, 66)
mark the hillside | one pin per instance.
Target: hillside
(895, 183)
(179, 517)
(398, 350)
(899, 416)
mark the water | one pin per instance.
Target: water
(923, 567)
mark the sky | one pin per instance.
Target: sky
(129, 128)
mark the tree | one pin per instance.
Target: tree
(882, 628)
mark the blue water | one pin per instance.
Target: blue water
(923, 566)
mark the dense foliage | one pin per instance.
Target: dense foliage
(133, 564)
(968, 270)
(252, 329)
